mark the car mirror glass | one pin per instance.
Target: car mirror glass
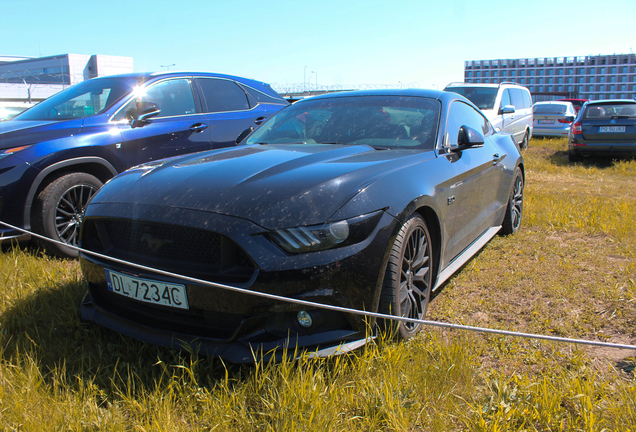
(508, 109)
(148, 110)
(468, 137)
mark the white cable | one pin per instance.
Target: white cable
(326, 306)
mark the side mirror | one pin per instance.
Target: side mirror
(508, 109)
(147, 111)
(244, 134)
(468, 138)
(569, 119)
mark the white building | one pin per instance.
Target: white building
(30, 80)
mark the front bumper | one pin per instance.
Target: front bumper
(240, 327)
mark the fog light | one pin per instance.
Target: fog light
(304, 319)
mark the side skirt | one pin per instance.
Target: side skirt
(467, 254)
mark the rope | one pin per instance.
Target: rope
(330, 307)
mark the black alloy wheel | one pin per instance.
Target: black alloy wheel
(59, 209)
(514, 209)
(408, 278)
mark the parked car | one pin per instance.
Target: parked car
(507, 105)
(367, 200)
(578, 103)
(553, 118)
(56, 155)
(604, 127)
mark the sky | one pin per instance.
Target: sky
(326, 42)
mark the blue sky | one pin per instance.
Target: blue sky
(419, 43)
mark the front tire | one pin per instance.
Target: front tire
(514, 209)
(59, 208)
(408, 278)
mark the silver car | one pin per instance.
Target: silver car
(507, 105)
(553, 118)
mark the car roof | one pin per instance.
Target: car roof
(145, 76)
(611, 101)
(559, 102)
(501, 84)
(427, 93)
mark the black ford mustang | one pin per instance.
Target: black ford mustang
(367, 200)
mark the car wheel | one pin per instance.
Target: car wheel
(59, 208)
(514, 209)
(408, 277)
(524, 142)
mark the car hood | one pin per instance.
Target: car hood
(273, 186)
(17, 133)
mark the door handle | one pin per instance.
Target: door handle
(198, 127)
(260, 120)
(496, 158)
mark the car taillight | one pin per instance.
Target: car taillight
(576, 128)
(564, 121)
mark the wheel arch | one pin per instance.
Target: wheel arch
(98, 167)
(435, 231)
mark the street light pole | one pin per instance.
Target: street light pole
(168, 66)
(305, 80)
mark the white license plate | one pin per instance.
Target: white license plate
(611, 129)
(146, 290)
(546, 121)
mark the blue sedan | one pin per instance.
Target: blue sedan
(56, 155)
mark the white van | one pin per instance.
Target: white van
(507, 105)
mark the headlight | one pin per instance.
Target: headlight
(9, 152)
(325, 236)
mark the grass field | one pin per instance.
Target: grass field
(571, 271)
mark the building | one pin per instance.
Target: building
(30, 80)
(590, 77)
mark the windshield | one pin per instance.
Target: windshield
(81, 100)
(380, 121)
(550, 109)
(610, 110)
(482, 97)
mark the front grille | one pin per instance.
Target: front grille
(190, 251)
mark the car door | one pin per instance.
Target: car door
(229, 110)
(179, 128)
(509, 121)
(471, 193)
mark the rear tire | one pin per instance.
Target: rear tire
(514, 209)
(59, 208)
(408, 278)
(574, 157)
(524, 141)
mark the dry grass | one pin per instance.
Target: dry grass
(569, 272)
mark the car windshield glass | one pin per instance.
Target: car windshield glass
(81, 100)
(380, 121)
(610, 110)
(550, 109)
(483, 97)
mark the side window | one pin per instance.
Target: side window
(173, 97)
(222, 95)
(505, 99)
(517, 98)
(461, 114)
(527, 99)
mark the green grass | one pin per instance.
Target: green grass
(570, 272)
